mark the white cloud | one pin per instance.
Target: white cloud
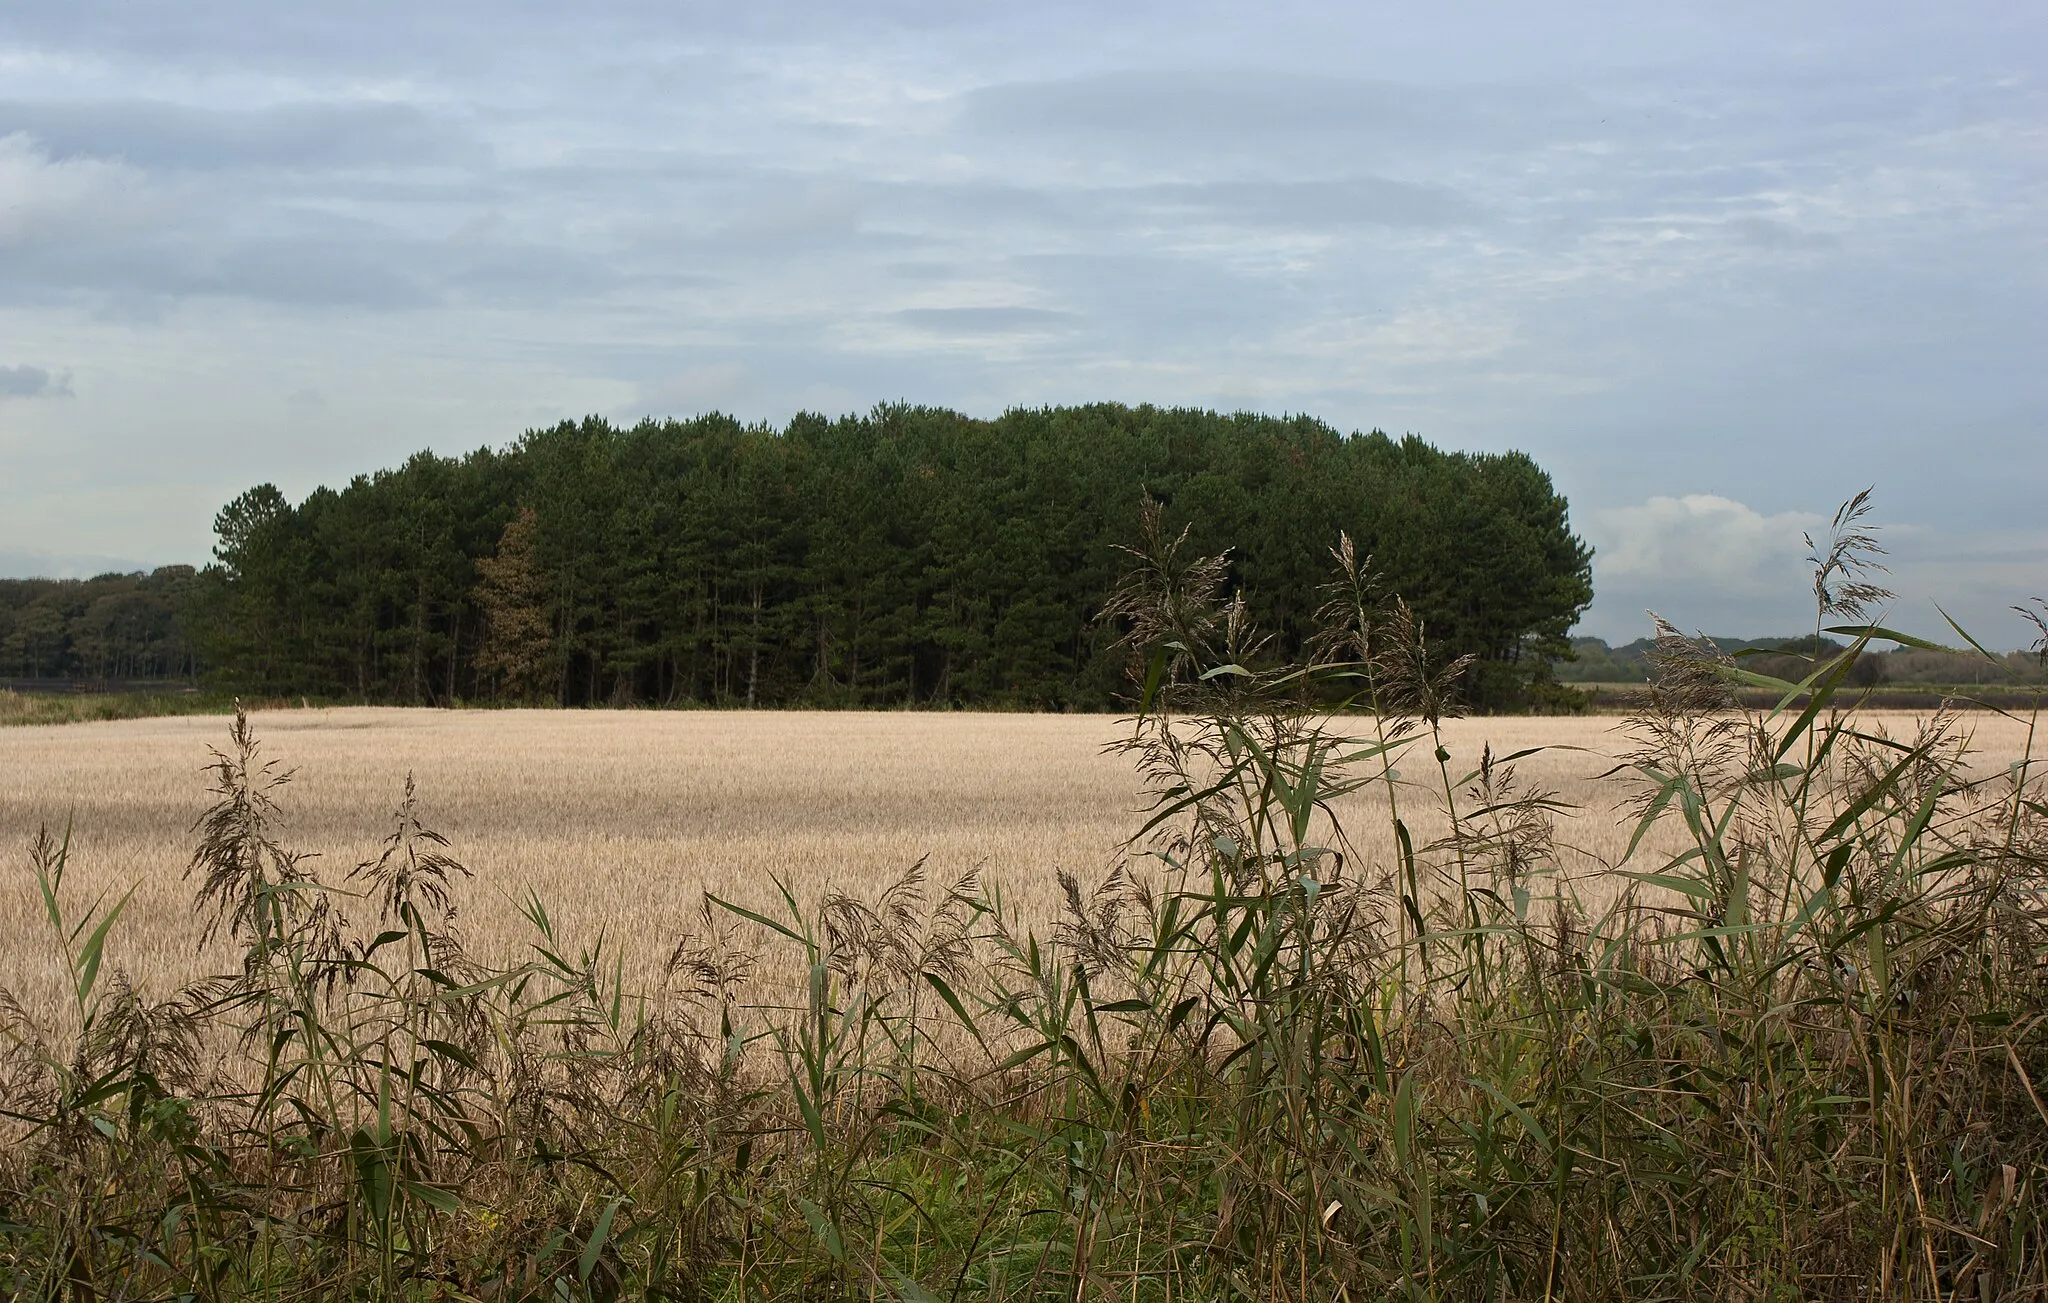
(1716, 565)
(42, 197)
(1701, 538)
(1700, 560)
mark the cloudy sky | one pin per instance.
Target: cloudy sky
(1716, 266)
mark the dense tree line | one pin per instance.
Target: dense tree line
(113, 626)
(1594, 661)
(910, 556)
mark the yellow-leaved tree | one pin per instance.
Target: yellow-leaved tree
(518, 649)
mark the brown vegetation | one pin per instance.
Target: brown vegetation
(621, 820)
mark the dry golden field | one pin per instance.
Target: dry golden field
(620, 820)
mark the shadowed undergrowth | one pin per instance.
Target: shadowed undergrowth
(1801, 1059)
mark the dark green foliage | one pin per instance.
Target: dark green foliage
(912, 556)
(114, 626)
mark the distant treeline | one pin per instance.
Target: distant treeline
(1594, 661)
(113, 627)
(912, 556)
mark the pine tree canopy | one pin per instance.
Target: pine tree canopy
(911, 556)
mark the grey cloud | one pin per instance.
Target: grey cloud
(32, 382)
(395, 36)
(289, 136)
(310, 273)
(349, 265)
(986, 321)
(786, 217)
(1142, 294)
(1766, 234)
(919, 269)
(1210, 108)
(21, 563)
(1360, 201)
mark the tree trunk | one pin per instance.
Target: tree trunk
(754, 650)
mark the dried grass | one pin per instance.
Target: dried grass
(621, 820)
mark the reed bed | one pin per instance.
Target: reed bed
(1350, 1014)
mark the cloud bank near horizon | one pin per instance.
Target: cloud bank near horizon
(1715, 267)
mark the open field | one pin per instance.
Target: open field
(620, 820)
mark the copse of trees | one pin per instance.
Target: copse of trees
(911, 556)
(112, 626)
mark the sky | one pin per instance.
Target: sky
(1716, 266)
